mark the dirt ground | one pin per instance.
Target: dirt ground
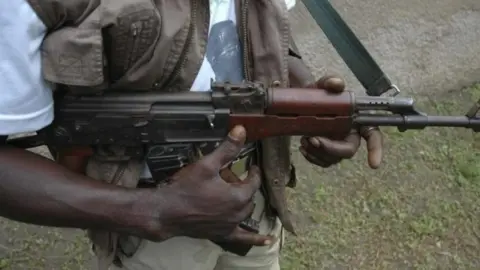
(420, 210)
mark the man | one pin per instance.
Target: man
(82, 46)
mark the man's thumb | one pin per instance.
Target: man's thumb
(229, 148)
(330, 83)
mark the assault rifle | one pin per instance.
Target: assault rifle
(137, 119)
(163, 127)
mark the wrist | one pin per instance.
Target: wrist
(299, 73)
(145, 213)
(119, 209)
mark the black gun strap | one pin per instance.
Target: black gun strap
(349, 47)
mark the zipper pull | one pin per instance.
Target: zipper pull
(134, 30)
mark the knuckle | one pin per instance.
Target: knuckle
(232, 199)
(229, 147)
(310, 159)
(209, 167)
(239, 217)
(242, 215)
(235, 217)
(254, 173)
(240, 198)
(318, 156)
(350, 153)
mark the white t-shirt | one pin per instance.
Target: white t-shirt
(26, 102)
(223, 57)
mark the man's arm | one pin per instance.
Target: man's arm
(300, 74)
(36, 190)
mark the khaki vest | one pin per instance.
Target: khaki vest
(153, 45)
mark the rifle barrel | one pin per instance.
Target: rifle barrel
(417, 121)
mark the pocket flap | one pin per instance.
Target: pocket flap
(74, 56)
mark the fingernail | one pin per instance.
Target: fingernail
(238, 132)
(267, 242)
(304, 141)
(375, 165)
(335, 84)
(315, 142)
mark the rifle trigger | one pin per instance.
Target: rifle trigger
(474, 110)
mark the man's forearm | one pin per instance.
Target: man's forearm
(300, 74)
(36, 190)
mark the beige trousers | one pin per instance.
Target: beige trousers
(184, 253)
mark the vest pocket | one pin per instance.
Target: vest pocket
(123, 45)
(129, 37)
(74, 56)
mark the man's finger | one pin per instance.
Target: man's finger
(228, 150)
(331, 83)
(242, 236)
(343, 149)
(309, 141)
(229, 176)
(374, 140)
(314, 152)
(312, 159)
(245, 211)
(246, 189)
(319, 156)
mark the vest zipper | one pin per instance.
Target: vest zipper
(135, 31)
(183, 57)
(245, 39)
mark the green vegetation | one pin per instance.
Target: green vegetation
(421, 210)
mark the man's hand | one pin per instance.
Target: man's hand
(326, 152)
(196, 203)
(203, 205)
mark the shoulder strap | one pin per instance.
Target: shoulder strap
(349, 47)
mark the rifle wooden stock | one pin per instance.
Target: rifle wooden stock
(300, 111)
(260, 126)
(309, 102)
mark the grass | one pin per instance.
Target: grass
(420, 210)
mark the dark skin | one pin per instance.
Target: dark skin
(326, 152)
(197, 203)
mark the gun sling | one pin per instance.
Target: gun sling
(349, 47)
